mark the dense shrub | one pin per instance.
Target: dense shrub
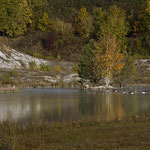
(44, 67)
(6, 79)
(32, 65)
(49, 41)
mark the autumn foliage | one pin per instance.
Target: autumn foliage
(108, 59)
(101, 59)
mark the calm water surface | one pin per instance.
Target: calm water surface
(69, 105)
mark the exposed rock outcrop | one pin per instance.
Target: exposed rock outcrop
(20, 63)
(18, 60)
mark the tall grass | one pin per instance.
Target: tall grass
(131, 133)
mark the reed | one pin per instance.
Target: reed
(130, 133)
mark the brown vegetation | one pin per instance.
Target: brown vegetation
(130, 133)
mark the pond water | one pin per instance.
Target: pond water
(67, 105)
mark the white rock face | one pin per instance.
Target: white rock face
(50, 79)
(18, 60)
(71, 77)
(145, 63)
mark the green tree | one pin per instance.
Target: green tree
(64, 32)
(112, 23)
(15, 17)
(142, 24)
(45, 24)
(83, 23)
(86, 66)
(142, 31)
(99, 22)
(129, 71)
(38, 8)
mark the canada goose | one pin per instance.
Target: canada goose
(131, 92)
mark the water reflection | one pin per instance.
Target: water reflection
(70, 105)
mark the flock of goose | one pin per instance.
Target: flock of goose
(131, 91)
(124, 90)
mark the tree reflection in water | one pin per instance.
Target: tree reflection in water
(70, 105)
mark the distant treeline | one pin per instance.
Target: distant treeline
(65, 26)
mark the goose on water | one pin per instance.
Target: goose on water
(131, 92)
(144, 92)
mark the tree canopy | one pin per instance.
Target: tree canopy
(74, 23)
(15, 17)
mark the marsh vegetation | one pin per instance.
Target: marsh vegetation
(131, 133)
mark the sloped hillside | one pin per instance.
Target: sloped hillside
(21, 69)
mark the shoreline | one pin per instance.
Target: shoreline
(114, 89)
(9, 90)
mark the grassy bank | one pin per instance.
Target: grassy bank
(130, 133)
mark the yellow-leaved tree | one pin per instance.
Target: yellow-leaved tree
(108, 59)
(101, 60)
